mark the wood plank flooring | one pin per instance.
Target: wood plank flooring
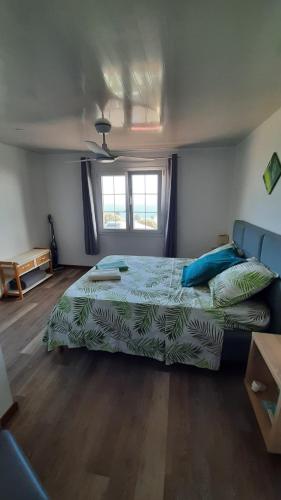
(98, 426)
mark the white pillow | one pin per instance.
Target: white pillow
(239, 282)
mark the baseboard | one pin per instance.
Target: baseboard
(75, 266)
(9, 414)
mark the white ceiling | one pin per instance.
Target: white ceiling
(167, 73)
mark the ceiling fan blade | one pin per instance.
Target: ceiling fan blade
(136, 158)
(98, 150)
(79, 161)
(113, 159)
(100, 159)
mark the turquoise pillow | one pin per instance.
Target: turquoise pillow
(206, 268)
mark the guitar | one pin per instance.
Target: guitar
(53, 243)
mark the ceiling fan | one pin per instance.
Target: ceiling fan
(102, 153)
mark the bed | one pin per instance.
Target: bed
(148, 313)
(265, 245)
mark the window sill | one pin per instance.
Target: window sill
(130, 233)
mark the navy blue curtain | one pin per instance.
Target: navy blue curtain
(90, 222)
(170, 244)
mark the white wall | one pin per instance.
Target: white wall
(63, 182)
(250, 199)
(204, 180)
(22, 201)
(33, 185)
(204, 190)
(64, 203)
(215, 186)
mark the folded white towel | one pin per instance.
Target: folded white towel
(106, 275)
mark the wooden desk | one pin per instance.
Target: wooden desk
(264, 365)
(21, 264)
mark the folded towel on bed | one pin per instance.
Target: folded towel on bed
(116, 264)
(105, 275)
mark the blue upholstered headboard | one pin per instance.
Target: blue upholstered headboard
(266, 247)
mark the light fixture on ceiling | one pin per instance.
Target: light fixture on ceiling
(146, 128)
(102, 153)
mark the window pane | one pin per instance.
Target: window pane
(107, 184)
(114, 201)
(120, 203)
(113, 220)
(151, 202)
(109, 221)
(151, 183)
(138, 184)
(145, 201)
(119, 184)
(139, 221)
(122, 219)
(139, 202)
(108, 203)
(151, 221)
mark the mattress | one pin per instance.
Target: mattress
(248, 315)
(146, 313)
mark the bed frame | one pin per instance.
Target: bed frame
(266, 247)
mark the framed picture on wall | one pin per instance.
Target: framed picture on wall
(272, 173)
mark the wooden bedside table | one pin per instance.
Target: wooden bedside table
(264, 365)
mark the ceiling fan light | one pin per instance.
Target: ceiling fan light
(103, 126)
(146, 128)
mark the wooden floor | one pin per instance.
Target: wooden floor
(102, 426)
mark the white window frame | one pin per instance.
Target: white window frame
(103, 170)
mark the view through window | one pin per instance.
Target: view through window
(145, 201)
(114, 202)
(131, 201)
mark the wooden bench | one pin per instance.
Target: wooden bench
(21, 264)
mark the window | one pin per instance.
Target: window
(145, 201)
(114, 202)
(131, 201)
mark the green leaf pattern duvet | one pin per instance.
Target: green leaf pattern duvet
(146, 313)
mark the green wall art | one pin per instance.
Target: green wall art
(272, 173)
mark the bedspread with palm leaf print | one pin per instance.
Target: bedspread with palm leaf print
(146, 313)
